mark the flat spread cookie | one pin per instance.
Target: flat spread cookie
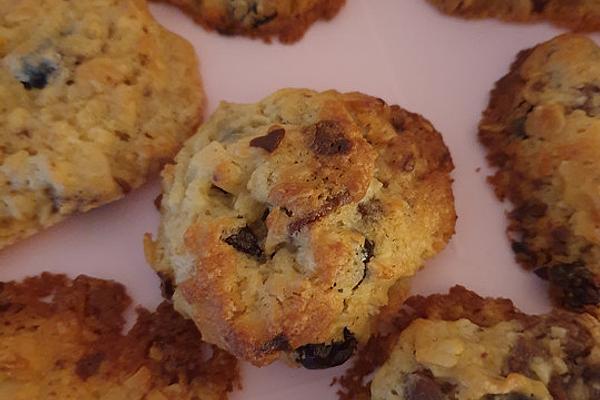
(462, 346)
(286, 223)
(542, 131)
(287, 20)
(579, 15)
(61, 339)
(94, 97)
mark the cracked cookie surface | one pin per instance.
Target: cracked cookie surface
(462, 346)
(579, 15)
(94, 97)
(287, 20)
(286, 223)
(542, 132)
(62, 339)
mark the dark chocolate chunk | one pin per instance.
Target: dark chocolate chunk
(521, 355)
(539, 5)
(245, 241)
(270, 141)
(167, 289)
(419, 386)
(575, 281)
(37, 76)
(517, 128)
(330, 205)
(329, 139)
(531, 209)
(522, 251)
(321, 356)
(89, 364)
(368, 251)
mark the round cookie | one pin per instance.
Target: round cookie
(286, 223)
(542, 131)
(462, 346)
(287, 20)
(94, 97)
(579, 15)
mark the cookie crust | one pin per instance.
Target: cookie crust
(542, 132)
(286, 223)
(287, 20)
(577, 15)
(95, 97)
(62, 338)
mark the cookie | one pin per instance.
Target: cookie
(95, 96)
(542, 132)
(578, 15)
(286, 223)
(61, 339)
(463, 346)
(287, 20)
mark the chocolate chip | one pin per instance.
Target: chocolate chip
(517, 128)
(532, 209)
(5, 306)
(521, 354)
(422, 387)
(37, 76)
(329, 139)
(576, 283)
(167, 289)
(245, 241)
(521, 249)
(368, 251)
(321, 356)
(88, 365)
(539, 5)
(330, 205)
(270, 141)
(278, 343)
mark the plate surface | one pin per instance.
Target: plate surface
(400, 50)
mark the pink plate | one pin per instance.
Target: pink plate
(400, 50)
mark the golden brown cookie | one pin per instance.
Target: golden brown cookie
(542, 132)
(579, 15)
(286, 224)
(287, 20)
(62, 339)
(463, 346)
(94, 97)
